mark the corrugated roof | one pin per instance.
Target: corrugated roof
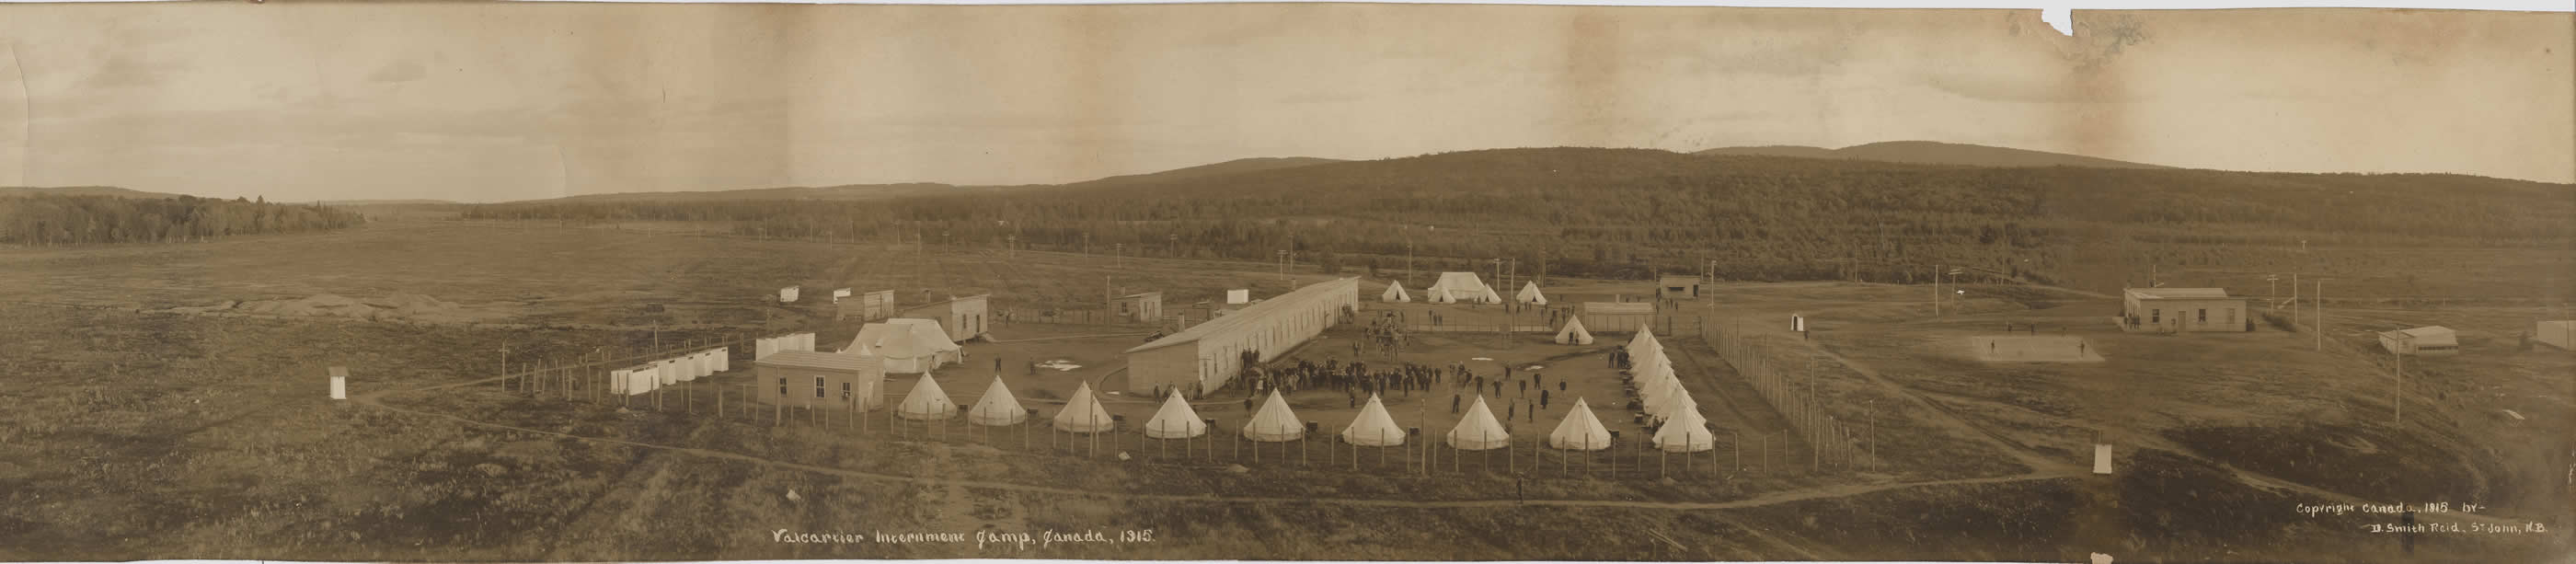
(1615, 307)
(818, 360)
(2426, 331)
(1141, 294)
(2180, 293)
(1282, 302)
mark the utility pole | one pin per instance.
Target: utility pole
(1283, 265)
(2271, 286)
(2321, 314)
(1872, 434)
(2397, 397)
(1936, 291)
(1121, 260)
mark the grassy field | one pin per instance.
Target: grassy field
(2268, 402)
(155, 435)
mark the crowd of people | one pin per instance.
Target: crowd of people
(1523, 393)
(1357, 380)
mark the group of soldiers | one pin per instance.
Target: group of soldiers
(1506, 382)
(1384, 334)
(1354, 378)
(1357, 381)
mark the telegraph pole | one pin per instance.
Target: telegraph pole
(1873, 432)
(2271, 287)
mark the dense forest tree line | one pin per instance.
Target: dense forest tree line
(1632, 213)
(74, 220)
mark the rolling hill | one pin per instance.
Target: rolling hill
(111, 191)
(1236, 166)
(1627, 213)
(842, 192)
(1933, 153)
(378, 203)
(888, 191)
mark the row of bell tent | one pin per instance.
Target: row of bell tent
(1276, 422)
(998, 407)
(1667, 401)
(1479, 430)
(1455, 287)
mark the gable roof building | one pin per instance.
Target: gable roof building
(1206, 356)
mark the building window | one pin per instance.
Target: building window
(818, 386)
(2155, 316)
(845, 390)
(2230, 316)
(782, 387)
(2204, 316)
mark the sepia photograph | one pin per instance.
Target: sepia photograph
(635, 282)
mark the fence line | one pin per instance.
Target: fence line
(1833, 442)
(1075, 317)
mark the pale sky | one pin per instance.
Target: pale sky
(489, 101)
